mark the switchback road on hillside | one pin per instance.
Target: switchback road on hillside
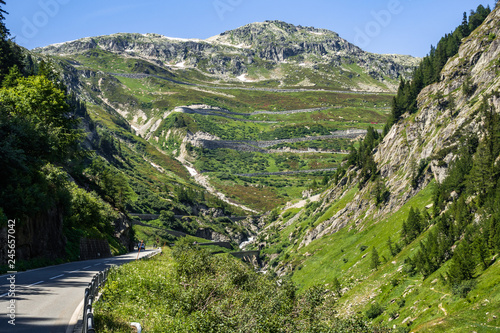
(281, 173)
(275, 90)
(46, 299)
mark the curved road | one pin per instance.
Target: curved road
(280, 173)
(46, 299)
(275, 90)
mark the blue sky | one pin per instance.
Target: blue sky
(380, 26)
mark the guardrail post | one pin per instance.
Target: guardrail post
(94, 286)
(90, 323)
(91, 292)
(85, 300)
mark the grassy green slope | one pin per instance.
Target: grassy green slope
(139, 100)
(428, 305)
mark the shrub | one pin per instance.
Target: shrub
(462, 289)
(374, 311)
(401, 302)
(175, 292)
(469, 87)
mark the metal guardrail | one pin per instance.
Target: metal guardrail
(92, 292)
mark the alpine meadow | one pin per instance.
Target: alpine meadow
(288, 180)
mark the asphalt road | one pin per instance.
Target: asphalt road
(46, 299)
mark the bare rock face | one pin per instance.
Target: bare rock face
(40, 236)
(212, 212)
(122, 231)
(230, 53)
(429, 135)
(209, 234)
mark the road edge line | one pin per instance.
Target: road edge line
(75, 318)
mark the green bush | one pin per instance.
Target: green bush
(374, 311)
(188, 290)
(462, 289)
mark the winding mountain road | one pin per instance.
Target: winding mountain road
(275, 90)
(49, 299)
(281, 173)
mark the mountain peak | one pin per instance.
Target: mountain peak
(265, 51)
(274, 32)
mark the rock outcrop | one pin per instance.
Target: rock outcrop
(431, 135)
(39, 236)
(230, 54)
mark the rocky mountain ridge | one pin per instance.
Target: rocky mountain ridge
(258, 47)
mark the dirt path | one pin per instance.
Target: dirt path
(304, 202)
(442, 309)
(282, 173)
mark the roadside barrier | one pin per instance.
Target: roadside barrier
(92, 293)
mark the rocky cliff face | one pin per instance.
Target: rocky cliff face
(232, 53)
(40, 236)
(431, 134)
(123, 227)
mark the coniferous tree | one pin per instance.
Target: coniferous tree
(482, 176)
(480, 249)
(494, 234)
(10, 54)
(464, 28)
(337, 287)
(413, 226)
(393, 248)
(375, 259)
(462, 265)
(10, 80)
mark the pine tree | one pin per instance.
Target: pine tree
(353, 158)
(412, 227)
(404, 232)
(480, 250)
(380, 192)
(10, 80)
(480, 178)
(336, 286)
(10, 54)
(494, 234)
(462, 265)
(464, 28)
(429, 70)
(375, 260)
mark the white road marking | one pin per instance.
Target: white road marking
(4, 295)
(74, 271)
(97, 264)
(34, 284)
(86, 267)
(55, 277)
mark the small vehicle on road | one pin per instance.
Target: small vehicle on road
(141, 246)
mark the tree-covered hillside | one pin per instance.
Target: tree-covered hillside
(70, 170)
